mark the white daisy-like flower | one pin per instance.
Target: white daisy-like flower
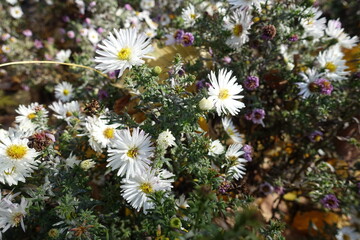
(231, 130)
(136, 190)
(6, 48)
(130, 152)
(246, 4)
(101, 133)
(12, 2)
(314, 25)
(72, 160)
(166, 139)
(237, 169)
(335, 31)
(288, 56)
(333, 63)
(308, 88)
(13, 215)
(239, 23)
(181, 202)
(216, 148)
(66, 111)
(224, 92)
(147, 4)
(347, 233)
(63, 55)
(93, 36)
(189, 15)
(16, 12)
(124, 50)
(31, 117)
(17, 160)
(84, 32)
(64, 91)
(87, 164)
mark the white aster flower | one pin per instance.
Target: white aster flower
(93, 36)
(333, 63)
(136, 190)
(335, 31)
(246, 4)
(87, 164)
(231, 130)
(307, 88)
(181, 202)
(224, 92)
(72, 160)
(216, 148)
(237, 169)
(130, 152)
(124, 50)
(5, 48)
(314, 25)
(63, 55)
(166, 139)
(31, 117)
(147, 4)
(66, 111)
(16, 12)
(64, 91)
(206, 104)
(101, 133)
(17, 160)
(347, 233)
(189, 15)
(12, 2)
(239, 23)
(84, 32)
(13, 215)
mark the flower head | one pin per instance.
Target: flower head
(224, 92)
(330, 201)
(189, 15)
(122, 51)
(166, 139)
(64, 91)
(251, 83)
(333, 64)
(231, 130)
(237, 169)
(239, 24)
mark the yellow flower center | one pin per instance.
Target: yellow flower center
(124, 53)
(330, 66)
(232, 158)
(132, 153)
(237, 30)
(68, 114)
(66, 92)
(146, 188)
(223, 94)
(193, 16)
(317, 138)
(16, 218)
(109, 133)
(16, 151)
(31, 116)
(230, 131)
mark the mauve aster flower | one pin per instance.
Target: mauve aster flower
(66, 18)
(102, 94)
(325, 86)
(38, 44)
(179, 34)
(70, 34)
(330, 201)
(294, 38)
(248, 151)
(257, 116)
(316, 136)
(224, 187)
(266, 188)
(27, 33)
(187, 39)
(251, 83)
(226, 59)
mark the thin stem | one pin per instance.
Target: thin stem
(54, 62)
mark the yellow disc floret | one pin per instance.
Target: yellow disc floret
(237, 30)
(66, 92)
(16, 151)
(223, 94)
(109, 133)
(330, 66)
(146, 188)
(124, 53)
(132, 153)
(31, 116)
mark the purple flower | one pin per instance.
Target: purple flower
(187, 39)
(5, 36)
(27, 33)
(178, 35)
(266, 188)
(51, 40)
(128, 7)
(226, 59)
(70, 34)
(256, 116)
(279, 190)
(88, 21)
(66, 18)
(102, 94)
(224, 187)
(251, 83)
(330, 201)
(100, 30)
(316, 136)
(92, 4)
(248, 152)
(325, 86)
(38, 44)
(294, 38)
